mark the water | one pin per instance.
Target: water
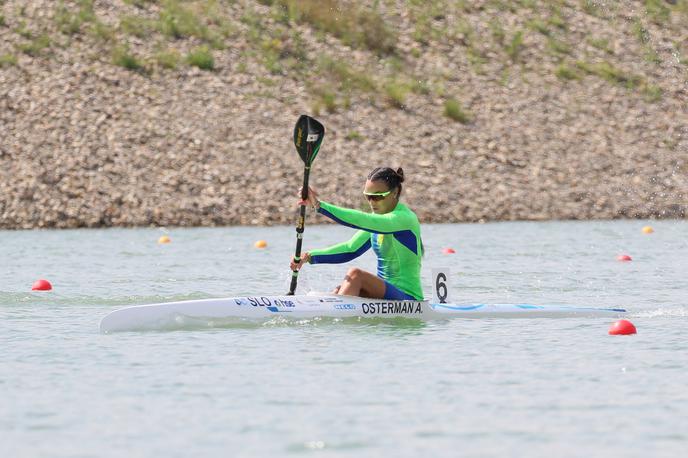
(526, 387)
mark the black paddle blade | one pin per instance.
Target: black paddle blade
(308, 135)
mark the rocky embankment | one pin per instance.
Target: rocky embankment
(567, 112)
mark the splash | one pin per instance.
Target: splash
(664, 312)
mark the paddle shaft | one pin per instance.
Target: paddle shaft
(300, 228)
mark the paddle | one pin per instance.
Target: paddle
(308, 135)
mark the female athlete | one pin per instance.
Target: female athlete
(392, 230)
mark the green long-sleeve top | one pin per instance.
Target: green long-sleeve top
(394, 236)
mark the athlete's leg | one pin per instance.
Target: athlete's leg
(358, 282)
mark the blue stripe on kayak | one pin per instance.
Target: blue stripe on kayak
(528, 307)
(458, 307)
(276, 310)
(573, 307)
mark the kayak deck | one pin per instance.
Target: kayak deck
(259, 308)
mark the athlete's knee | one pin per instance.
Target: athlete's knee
(354, 273)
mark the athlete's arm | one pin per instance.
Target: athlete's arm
(342, 252)
(370, 222)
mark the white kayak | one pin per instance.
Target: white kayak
(259, 308)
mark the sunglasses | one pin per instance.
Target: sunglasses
(376, 196)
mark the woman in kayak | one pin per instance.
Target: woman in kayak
(392, 230)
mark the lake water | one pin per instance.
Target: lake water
(499, 387)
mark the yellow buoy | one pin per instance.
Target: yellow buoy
(260, 244)
(648, 230)
(164, 239)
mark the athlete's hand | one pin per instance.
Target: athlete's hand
(312, 198)
(305, 257)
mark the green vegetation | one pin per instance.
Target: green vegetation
(328, 99)
(102, 31)
(353, 25)
(610, 73)
(8, 60)
(652, 93)
(601, 43)
(202, 58)
(23, 31)
(652, 56)
(464, 32)
(35, 46)
(355, 136)
(497, 30)
(122, 57)
(591, 7)
(502, 5)
(657, 11)
(136, 26)
(515, 46)
(396, 94)
(421, 87)
(558, 46)
(272, 35)
(140, 3)
(641, 32)
(345, 75)
(454, 111)
(177, 22)
(540, 26)
(70, 22)
(168, 59)
(423, 30)
(565, 72)
(555, 19)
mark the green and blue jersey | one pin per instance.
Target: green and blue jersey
(394, 237)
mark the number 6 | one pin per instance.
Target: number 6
(441, 290)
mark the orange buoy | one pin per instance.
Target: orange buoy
(164, 239)
(448, 251)
(260, 244)
(623, 258)
(41, 285)
(622, 328)
(648, 230)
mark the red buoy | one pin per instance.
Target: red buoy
(622, 328)
(41, 285)
(624, 258)
(448, 251)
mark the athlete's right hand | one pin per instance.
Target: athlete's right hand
(305, 257)
(312, 198)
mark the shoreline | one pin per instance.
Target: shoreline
(483, 133)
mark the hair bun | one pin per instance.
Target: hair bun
(400, 173)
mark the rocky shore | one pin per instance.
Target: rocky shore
(85, 142)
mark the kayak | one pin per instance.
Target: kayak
(260, 308)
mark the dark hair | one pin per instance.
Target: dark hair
(392, 177)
